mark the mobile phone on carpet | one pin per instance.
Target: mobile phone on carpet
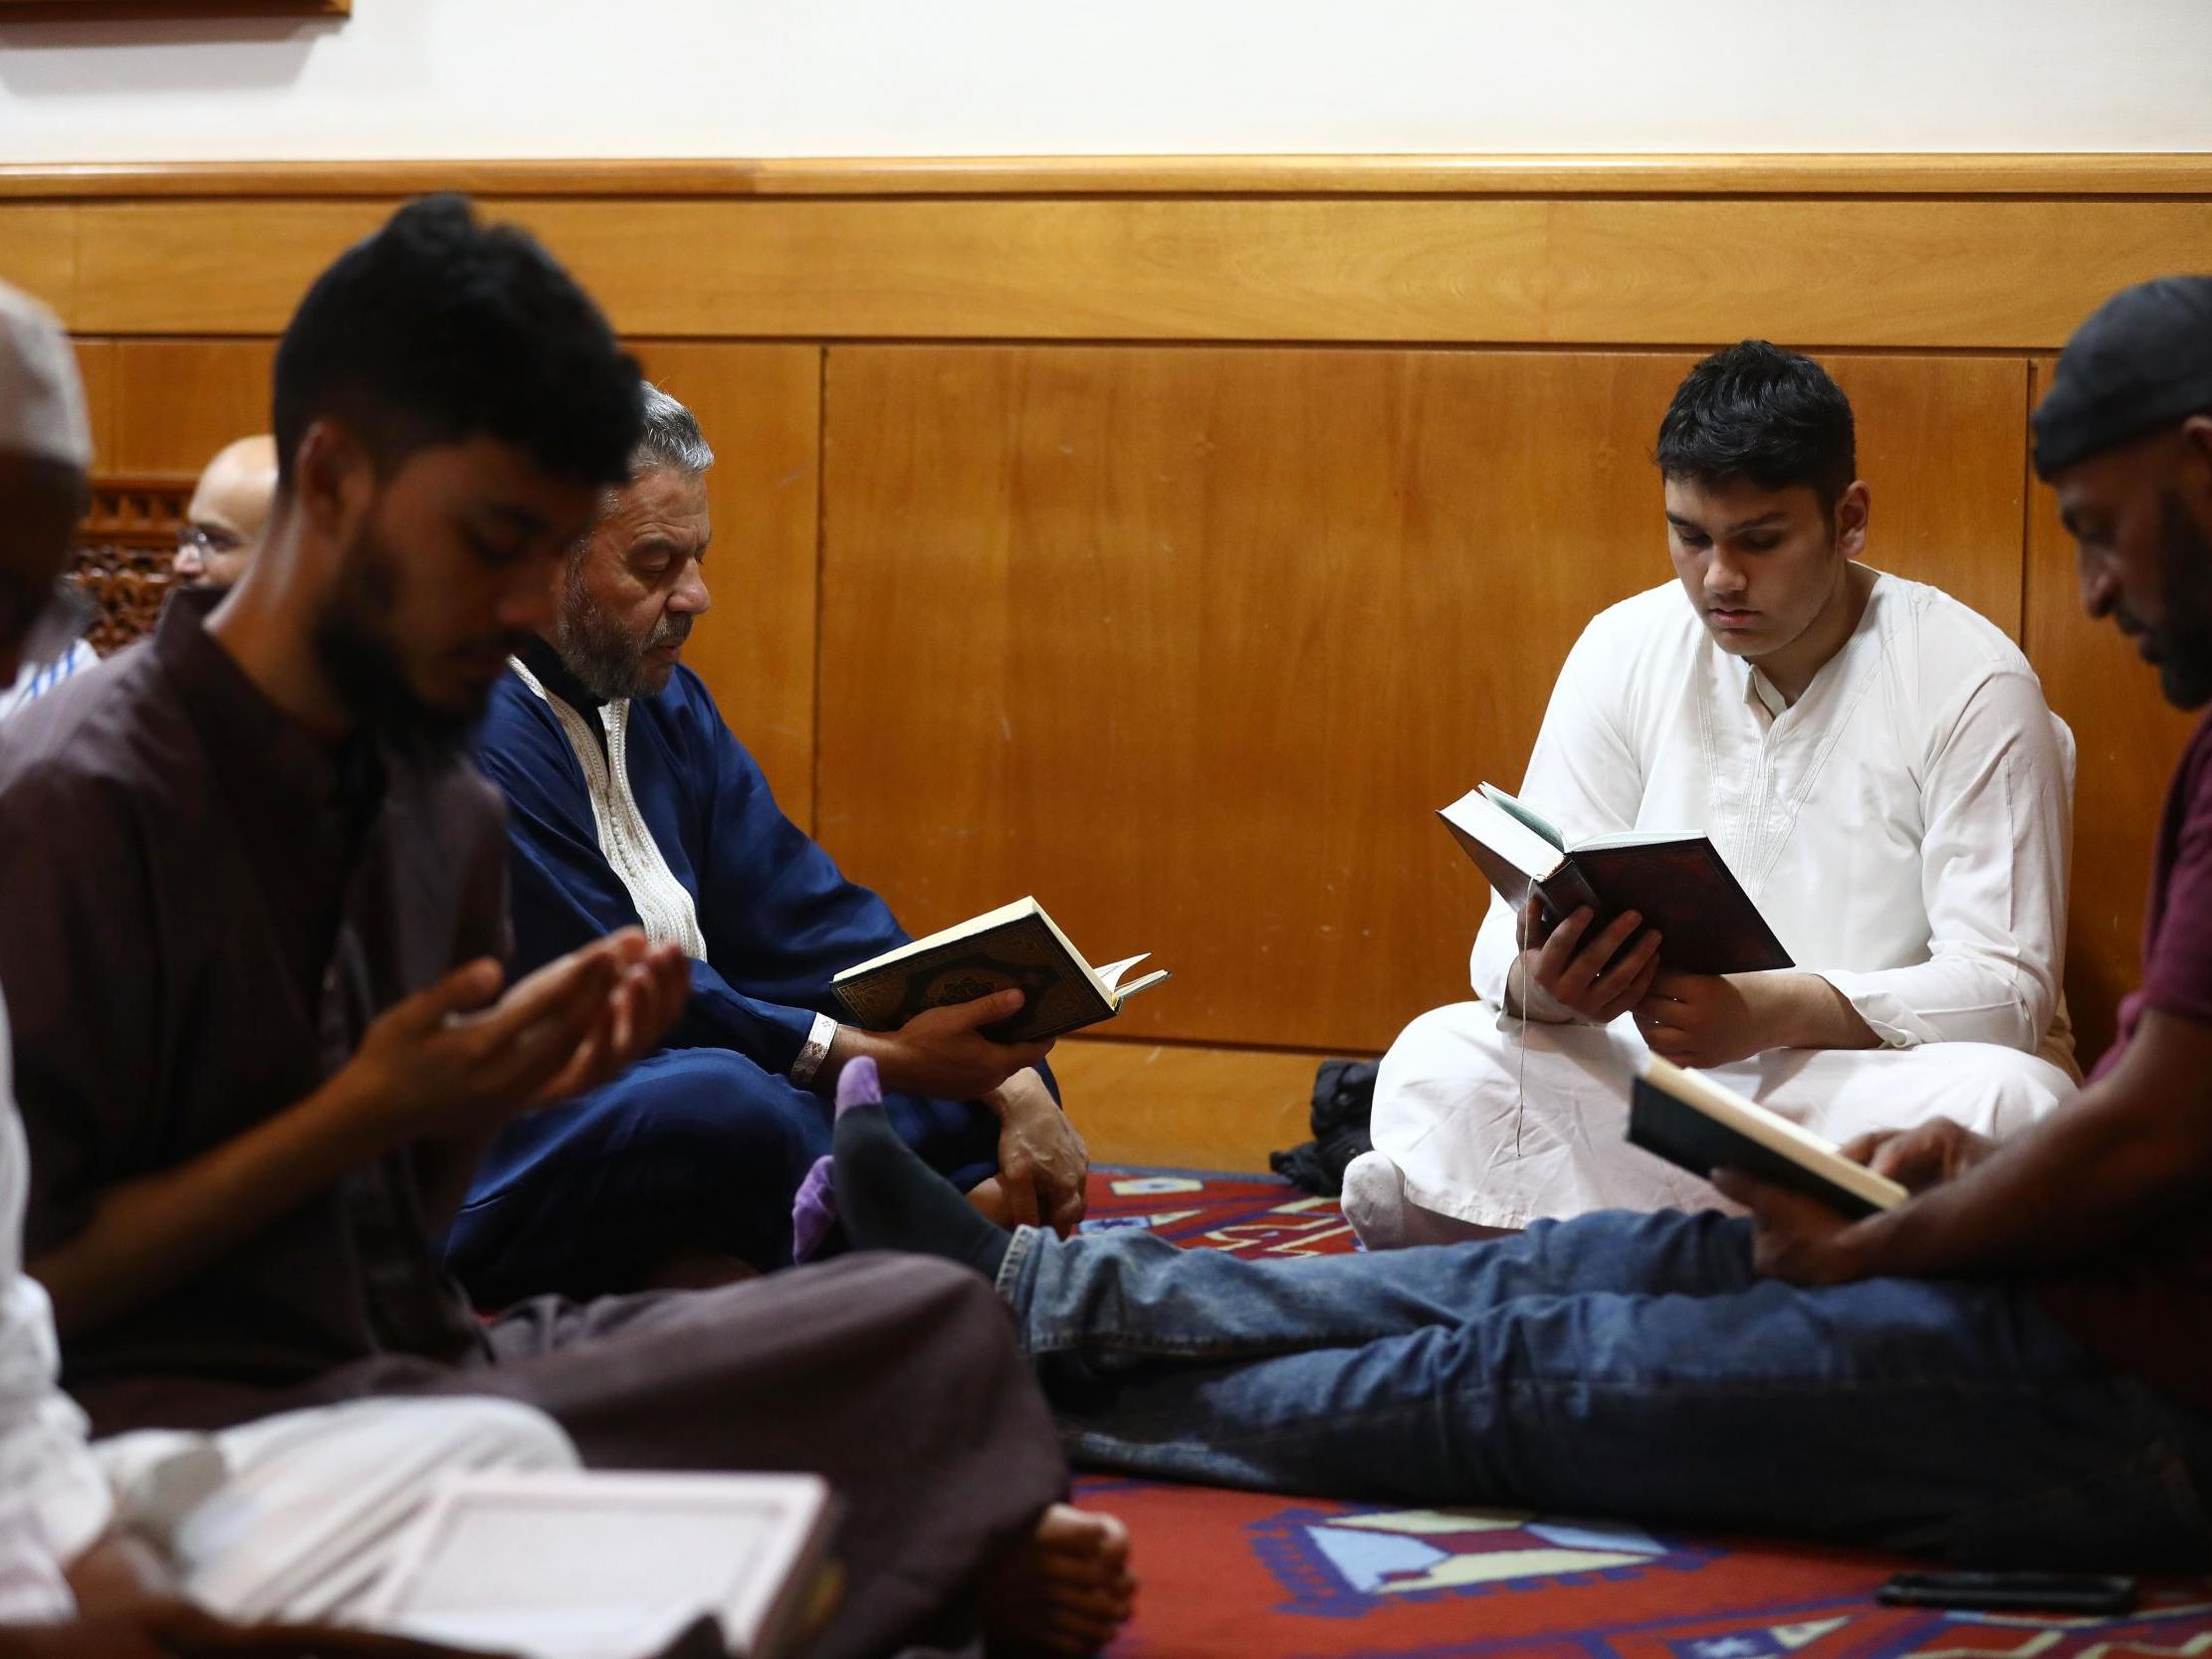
(2042, 1592)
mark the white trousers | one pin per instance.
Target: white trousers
(1482, 1119)
(296, 1516)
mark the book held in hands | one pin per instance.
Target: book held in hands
(1678, 884)
(1700, 1126)
(603, 1565)
(1015, 945)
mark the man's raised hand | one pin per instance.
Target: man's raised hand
(649, 993)
(1578, 974)
(460, 1058)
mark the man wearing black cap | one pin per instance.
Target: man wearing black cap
(2013, 1367)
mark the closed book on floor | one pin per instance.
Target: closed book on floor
(1680, 884)
(1015, 945)
(1701, 1125)
(580, 1564)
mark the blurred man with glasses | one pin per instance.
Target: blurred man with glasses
(222, 528)
(228, 512)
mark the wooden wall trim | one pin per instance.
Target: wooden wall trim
(1904, 273)
(1885, 175)
(163, 11)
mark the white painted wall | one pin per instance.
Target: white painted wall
(760, 77)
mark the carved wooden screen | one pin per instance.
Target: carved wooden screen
(125, 549)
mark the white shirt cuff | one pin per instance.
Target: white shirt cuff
(60, 1486)
(815, 1051)
(1893, 1024)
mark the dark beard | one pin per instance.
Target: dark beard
(606, 662)
(2185, 640)
(352, 648)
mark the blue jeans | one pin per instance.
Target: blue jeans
(1617, 1365)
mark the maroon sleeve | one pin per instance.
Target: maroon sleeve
(81, 957)
(2178, 968)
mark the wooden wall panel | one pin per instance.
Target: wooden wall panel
(1191, 642)
(168, 405)
(95, 361)
(224, 268)
(1941, 447)
(759, 406)
(1185, 672)
(38, 252)
(178, 401)
(2129, 741)
(1448, 270)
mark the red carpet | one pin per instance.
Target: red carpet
(1247, 1575)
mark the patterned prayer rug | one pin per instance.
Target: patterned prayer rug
(1247, 1215)
(1256, 1576)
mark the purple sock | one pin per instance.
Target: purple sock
(814, 1209)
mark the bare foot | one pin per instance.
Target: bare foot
(1066, 1590)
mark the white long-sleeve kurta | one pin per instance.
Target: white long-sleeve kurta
(54, 1500)
(1904, 827)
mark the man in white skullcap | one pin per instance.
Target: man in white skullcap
(45, 451)
(290, 1517)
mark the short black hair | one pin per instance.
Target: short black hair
(1755, 411)
(438, 329)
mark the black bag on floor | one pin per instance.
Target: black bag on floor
(1343, 1101)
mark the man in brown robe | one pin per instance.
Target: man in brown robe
(256, 905)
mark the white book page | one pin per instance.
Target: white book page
(1109, 977)
(1110, 980)
(580, 1566)
(1483, 821)
(1144, 985)
(547, 1633)
(947, 935)
(1525, 814)
(1633, 838)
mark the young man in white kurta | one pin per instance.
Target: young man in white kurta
(1903, 825)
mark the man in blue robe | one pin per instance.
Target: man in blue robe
(631, 803)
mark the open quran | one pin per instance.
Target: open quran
(1678, 884)
(1015, 945)
(605, 1565)
(1701, 1125)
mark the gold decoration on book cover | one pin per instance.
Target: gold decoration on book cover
(1020, 955)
